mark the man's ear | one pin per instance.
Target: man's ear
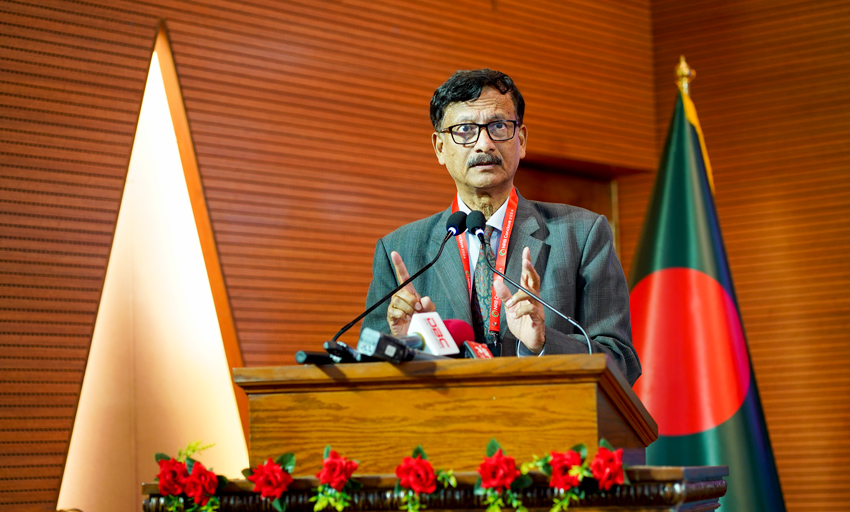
(523, 139)
(439, 147)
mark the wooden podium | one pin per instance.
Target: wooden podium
(378, 412)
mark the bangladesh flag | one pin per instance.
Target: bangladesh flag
(697, 380)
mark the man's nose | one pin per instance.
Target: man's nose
(484, 144)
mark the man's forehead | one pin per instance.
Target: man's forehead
(491, 104)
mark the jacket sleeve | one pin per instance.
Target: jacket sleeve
(602, 306)
(383, 280)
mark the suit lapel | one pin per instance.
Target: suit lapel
(529, 231)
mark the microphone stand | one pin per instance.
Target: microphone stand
(449, 234)
(486, 243)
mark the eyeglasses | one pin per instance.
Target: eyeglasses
(468, 133)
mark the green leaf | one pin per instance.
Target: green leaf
(492, 447)
(321, 503)
(222, 482)
(581, 449)
(278, 505)
(446, 478)
(161, 456)
(247, 472)
(419, 451)
(286, 461)
(521, 482)
(397, 489)
(352, 485)
(327, 452)
(605, 444)
(190, 463)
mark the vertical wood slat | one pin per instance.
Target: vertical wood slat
(774, 109)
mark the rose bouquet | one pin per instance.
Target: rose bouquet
(272, 479)
(335, 482)
(185, 479)
(500, 480)
(416, 477)
(573, 477)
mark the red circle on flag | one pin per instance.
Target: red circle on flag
(686, 329)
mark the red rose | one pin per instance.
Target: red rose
(607, 468)
(498, 471)
(200, 485)
(172, 472)
(417, 474)
(270, 480)
(561, 464)
(336, 470)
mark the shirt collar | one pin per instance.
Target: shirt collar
(498, 218)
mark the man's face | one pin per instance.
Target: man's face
(484, 166)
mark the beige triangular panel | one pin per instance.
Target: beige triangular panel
(158, 374)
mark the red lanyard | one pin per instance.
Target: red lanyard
(501, 257)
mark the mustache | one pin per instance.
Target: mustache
(483, 159)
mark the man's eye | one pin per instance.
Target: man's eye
(498, 125)
(463, 129)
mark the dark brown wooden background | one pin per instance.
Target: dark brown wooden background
(311, 128)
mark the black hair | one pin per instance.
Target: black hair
(466, 85)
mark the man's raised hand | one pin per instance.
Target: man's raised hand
(406, 301)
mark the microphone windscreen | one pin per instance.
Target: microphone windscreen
(475, 222)
(460, 330)
(456, 223)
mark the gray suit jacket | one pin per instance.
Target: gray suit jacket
(572, 250)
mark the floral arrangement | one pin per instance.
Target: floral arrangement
(272, 479)
(185, 480)
(416, 477)
(335, 482)
(570, 473)
(500, 480)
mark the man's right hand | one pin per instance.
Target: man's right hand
(405, 302)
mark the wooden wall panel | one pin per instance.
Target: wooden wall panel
(290, 106)
(70, 88)
(772, 97)
(310, 123)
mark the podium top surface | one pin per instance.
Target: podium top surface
(566, 369)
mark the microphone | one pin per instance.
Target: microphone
(317, 358)
(455, 225)
(387, 348)
(471, 349)
(475, 223)
(341, 353)
(434, 333)
(461, 330)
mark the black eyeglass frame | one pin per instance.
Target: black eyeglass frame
(486, 126)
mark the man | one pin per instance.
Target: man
(562, 253)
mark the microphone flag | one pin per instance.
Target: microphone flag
(697, 379)
(438, 339)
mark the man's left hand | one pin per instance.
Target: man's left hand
(524, 315)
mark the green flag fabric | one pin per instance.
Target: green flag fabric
(697, 379)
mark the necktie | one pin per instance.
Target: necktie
(482, 294)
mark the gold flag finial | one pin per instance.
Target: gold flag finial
(684, 74)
